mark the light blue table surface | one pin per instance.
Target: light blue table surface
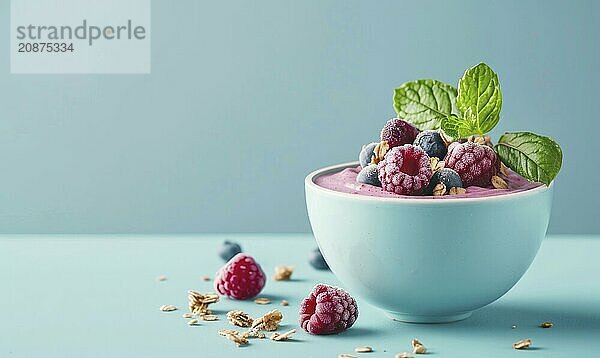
(98, 296)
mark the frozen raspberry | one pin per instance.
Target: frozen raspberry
(240, 278)
(475, 163)
(398, 132)
(327, 310)
(405, 170)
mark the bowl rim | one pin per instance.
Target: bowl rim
(309, 182)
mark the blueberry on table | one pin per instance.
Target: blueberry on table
(366, 154)
(369, 175)
(432, 143)
(316, 260)
(229, 249)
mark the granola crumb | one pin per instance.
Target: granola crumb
(187, 315)
(238, 340)
(346, 355)
(254, 333)
(205, 278)
(499, 183)
(363, 349)
(262, 301)
(239, 318)
(447, 140)
(546, 324)
(210, 317)
(167, 308)
(224, 332)
(283, 273)
(522, 344)
(439, 189)
(234, 336)
(379, 152)
(268, 322)
(403, 355)
(436, 164)
(483, 140)
(199, 302)
(503, 169)
(161, 278)
(418, 347)
(193, 322)
(285, 303)
(457, 191)
(283, 336)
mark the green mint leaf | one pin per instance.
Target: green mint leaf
(479, 96)
(424, 103)
(451, 125)
(535, 157)
(457, 127)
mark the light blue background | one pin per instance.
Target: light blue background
(245, 98)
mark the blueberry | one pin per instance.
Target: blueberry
(316, 260)
(432, 143)
(366, 154)
(448, 177)
(229, 249)
(368, 175)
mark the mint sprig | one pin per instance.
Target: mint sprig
(458, 127)
(534, 157)
(479, 100)
(424, 103)
(474, 109)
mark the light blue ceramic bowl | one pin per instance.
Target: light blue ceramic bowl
(427, 261)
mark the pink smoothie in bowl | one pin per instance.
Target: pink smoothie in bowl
(344, 181)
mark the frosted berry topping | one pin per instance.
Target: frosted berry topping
(405, 170)
(475, 163)
(398, 132)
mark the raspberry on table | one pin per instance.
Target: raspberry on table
(240, 278)
(475, 163)
(327, 310)
(398, 132)
(405, 170)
